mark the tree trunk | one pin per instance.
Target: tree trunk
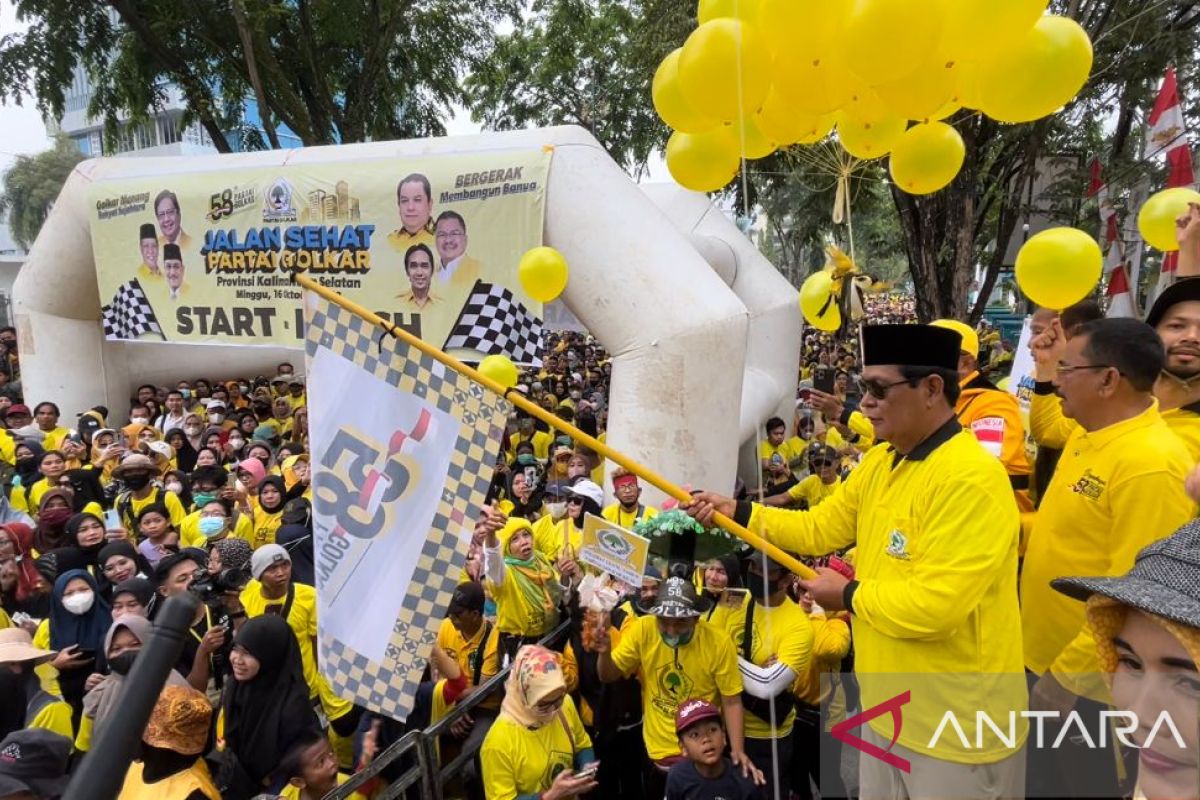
(260, 97)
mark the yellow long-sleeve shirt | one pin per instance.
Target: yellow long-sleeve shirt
(1051, 429)
(1114, 491)
(936, 534)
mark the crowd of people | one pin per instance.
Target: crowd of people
(1063, 577)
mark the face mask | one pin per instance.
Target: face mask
(55, 516)
(80, 602)
(192, 430)
(215, 419)
(203, 498)
(187, 393)
(140, 420)
(236, 444)
(677, 641)
(174, 487)
(138, 480)
(211, 526)
(557, 510)
(576, 395)
(526, 460)
(123, 663)
(27, 461)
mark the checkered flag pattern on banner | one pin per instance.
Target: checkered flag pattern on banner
(129, 315)
(494, 322)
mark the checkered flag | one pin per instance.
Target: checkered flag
(129, 315)
(494, 322)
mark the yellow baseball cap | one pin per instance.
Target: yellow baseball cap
(970, 339)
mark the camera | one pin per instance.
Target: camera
(214, 587)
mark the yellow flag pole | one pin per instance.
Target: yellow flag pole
(534, 410)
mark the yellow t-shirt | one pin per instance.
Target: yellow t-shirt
(135, 506)
(464, 650)
(706, 667)
(547, 536)
(190, 536)
(517, 761)
(622, 518)
(302, 618)
(540, 441)
(813, 490)
(265, 523)
(54, 438)
(783, 632)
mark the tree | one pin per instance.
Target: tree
(330, 71)
(31, 186)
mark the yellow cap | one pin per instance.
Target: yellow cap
(970, 339)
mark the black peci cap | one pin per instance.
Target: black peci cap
(910, 346)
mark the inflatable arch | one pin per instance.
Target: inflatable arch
(703, 331)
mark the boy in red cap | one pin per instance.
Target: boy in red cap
(705, 774)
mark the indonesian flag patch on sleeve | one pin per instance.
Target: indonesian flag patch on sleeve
(990, 433)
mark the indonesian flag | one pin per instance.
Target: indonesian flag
(1098, 189)
(1120, 298)
(1166, 133)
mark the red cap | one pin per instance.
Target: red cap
(17, 409)
(692, 711)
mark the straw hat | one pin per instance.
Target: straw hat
(135, 462)
(16, 645)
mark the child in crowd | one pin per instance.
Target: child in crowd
(705, 774)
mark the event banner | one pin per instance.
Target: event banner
(1020, 383)
(430, 243)
(612, 549)
(403, 450)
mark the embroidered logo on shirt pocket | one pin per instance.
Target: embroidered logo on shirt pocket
(898, 545)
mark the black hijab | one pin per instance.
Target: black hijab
(27, 468)
(265, 715)
(72, 530)
(278, 483)
(185, 457)
(86, 485)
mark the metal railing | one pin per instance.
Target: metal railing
(426, 770)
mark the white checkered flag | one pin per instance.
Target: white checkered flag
(129, 315)
(493, 322)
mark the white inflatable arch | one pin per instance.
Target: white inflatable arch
(703, 331)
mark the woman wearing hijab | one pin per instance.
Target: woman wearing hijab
(723, 572)
(134, 597)
(537, 743)
(28, 457)
(523, 583)
(297, 476)
(1147, 629)
(85, 532)
(29, 592)
(264, 708)
(184, 454)
(118, 562)
(51, 531)
(87, 490)
(106, 454)
(267, 515)
(79, 621)
(295, 534)
(124, 640)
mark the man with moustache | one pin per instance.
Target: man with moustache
(148, 245)
(170, 220)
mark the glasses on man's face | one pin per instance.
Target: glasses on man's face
(1067, 369)
(877, 390)
(578, 501)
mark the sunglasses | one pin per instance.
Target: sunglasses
(878, 390)
(576, 500)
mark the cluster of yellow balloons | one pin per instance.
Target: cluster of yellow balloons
(757, 75)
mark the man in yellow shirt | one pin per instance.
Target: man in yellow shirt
(776, 455)
(677, 657)
(627, 511)
(824, 463)
(46, 415)
(936, 528)
(148, 270)
(458, 271)
(418, 266)
(1118, 486)
(19, 657)
(414, 201)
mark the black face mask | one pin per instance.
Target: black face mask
(123, 663)
(137, 481)
(762, 586)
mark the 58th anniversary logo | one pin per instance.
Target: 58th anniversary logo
(209, 256)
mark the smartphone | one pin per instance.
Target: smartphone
(112, 520)
(231, 479)
(733, 597)
(823, 380)
(589, 771)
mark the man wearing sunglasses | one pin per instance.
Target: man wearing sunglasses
(1118, 487)
(936, 527)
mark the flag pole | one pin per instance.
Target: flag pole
(533, 409)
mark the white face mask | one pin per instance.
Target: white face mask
(139, 420)
(192, 430)
(174, 487)
(557, 510)
(216, 419)
(236, 443)
(80, 602)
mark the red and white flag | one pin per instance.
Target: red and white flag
(1166, 133)
(1120, 297)
(1121, 302)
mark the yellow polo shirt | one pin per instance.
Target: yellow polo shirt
(813, 490)
(781, 632)
(626, 519)
(517, 761)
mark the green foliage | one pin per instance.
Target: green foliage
(31, 186)
(330, 70)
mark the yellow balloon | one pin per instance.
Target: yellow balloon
(821, 127)
(966, 90)
(747, 10)
(922, 93)
(499, 369)
(1059, 267)
(779, 120)
(703, 162)
(950, 109)
(752, 141)
(669, 102)
(1038, 74)
(869, 138)
(813, 77)
(927, 158)
(725, 69)
(1156, 218)
(543, 273)
(786, 23)
(975, 29)
(887, 40)
(817, 303)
